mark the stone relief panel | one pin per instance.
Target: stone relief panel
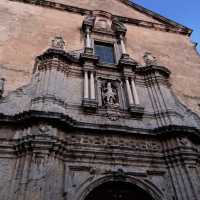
(117, 142)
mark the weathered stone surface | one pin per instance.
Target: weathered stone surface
(55, 143)
(20, 22)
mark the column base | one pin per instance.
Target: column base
(90, 104)
(136, 110)
(88, 50)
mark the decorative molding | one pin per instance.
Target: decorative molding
(151, 69)
(169, 26)
(89, 104)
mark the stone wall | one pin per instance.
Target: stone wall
(46, 162)
(26, 31)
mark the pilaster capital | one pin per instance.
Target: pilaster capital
(88, 23)
(119, 27)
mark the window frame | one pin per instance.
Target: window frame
(111, 43)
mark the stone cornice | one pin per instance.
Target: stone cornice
(154, 68)
(156, 16)
(61, 120)
(169, 25)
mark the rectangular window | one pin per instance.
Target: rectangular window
(105, 52)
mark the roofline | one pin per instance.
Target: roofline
(167, 26)
(155, 15)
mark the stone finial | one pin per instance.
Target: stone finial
(2, 82)
(58, 43)
(149, 59)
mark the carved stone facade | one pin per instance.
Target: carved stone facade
(83, 129)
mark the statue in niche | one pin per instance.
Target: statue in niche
(58, 43)
(149, 59)
(110, 96)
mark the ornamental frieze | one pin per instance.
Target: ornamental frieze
(118, 142)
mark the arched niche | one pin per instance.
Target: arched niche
(139, 187)
(118, 190)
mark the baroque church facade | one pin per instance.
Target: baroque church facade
(99, 99)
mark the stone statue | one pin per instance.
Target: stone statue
(110, 96)
(149, 59)
(58, 43)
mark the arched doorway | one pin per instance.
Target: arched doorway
(118, 191)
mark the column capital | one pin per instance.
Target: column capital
(88, 22)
